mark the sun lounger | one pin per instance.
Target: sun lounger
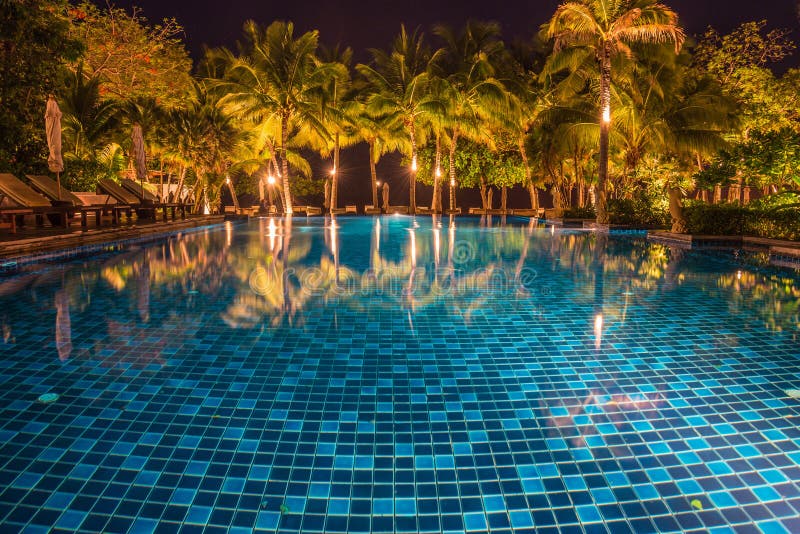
(49, 188)
(423, 210)
(351, 208)
(149, 198)
(121, 195)
(18, 196)
(372, 210)
(399, 209)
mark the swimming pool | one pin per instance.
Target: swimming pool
(399, 374)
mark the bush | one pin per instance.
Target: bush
(638, 211)
(580, 213)
(732, 219)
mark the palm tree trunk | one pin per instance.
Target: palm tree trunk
(504, 199)
(412, 183)
(287, 194)
(436, 203)
(532, 192)
(452, 162)
(605, 127)
(373, 173)
(484, 197)
(335, 174)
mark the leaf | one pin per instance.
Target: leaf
(697, 504)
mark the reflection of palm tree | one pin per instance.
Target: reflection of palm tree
(63, 325)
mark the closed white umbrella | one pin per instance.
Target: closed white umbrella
(139, 158)
(52, 125)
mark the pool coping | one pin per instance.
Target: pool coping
(781, 252)
(17, 254)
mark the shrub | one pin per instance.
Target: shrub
(638, 211)
(580, 213)
(732, 219)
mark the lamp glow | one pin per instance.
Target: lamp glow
(333, 171)
(452, 183)
(438, 172)
(271, 180)
(607, 114)
(414, 164)
(598, 330)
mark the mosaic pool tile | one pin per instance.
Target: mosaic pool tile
(396, 374)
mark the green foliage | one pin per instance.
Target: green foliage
(474, 162)
(576, 212)
(732, 219)
(764, 158)
(641, 211)
(34, 46)
(132, 58)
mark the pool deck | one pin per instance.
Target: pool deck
(51, 239)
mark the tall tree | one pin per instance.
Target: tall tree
(131, 57)
(398, 80)
(604, 29)
(474, 97)
(277, 80)
(34, 46)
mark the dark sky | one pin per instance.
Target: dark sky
(363, 24)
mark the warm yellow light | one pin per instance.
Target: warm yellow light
(452, 183)
(438, 172)
(607, 114)
(378, 183)
(414, 164)
(333, 171)
(598, 330)
(227, 180)
(271, 180)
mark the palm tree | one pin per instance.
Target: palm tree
(278, 81)
(473, 95)
(398, 83)
(383, 134)
(336, 96)
(604, 29)
(88, 120)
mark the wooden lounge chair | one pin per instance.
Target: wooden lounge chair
(149, 198)
(423, 210)
(372, 210)
(351, 208)
(21, 200)
(313, 210)
(112, 189)
(403, 210)
(49, 188)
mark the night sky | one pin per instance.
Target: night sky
(364, 24)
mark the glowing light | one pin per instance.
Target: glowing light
(452, 183)
(273, 233)
(378, 183)
(607, 114)
(228, 180)
(414, 164)
(436, 245)
(333, 171)
(738, 275)
(271, 180)
(438, 172)
(598, 330)
(413, 248)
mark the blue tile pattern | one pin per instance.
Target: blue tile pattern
(392, 375)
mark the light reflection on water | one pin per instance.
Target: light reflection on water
(266, 273)
(592, 292)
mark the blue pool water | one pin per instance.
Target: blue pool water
(399, 375)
